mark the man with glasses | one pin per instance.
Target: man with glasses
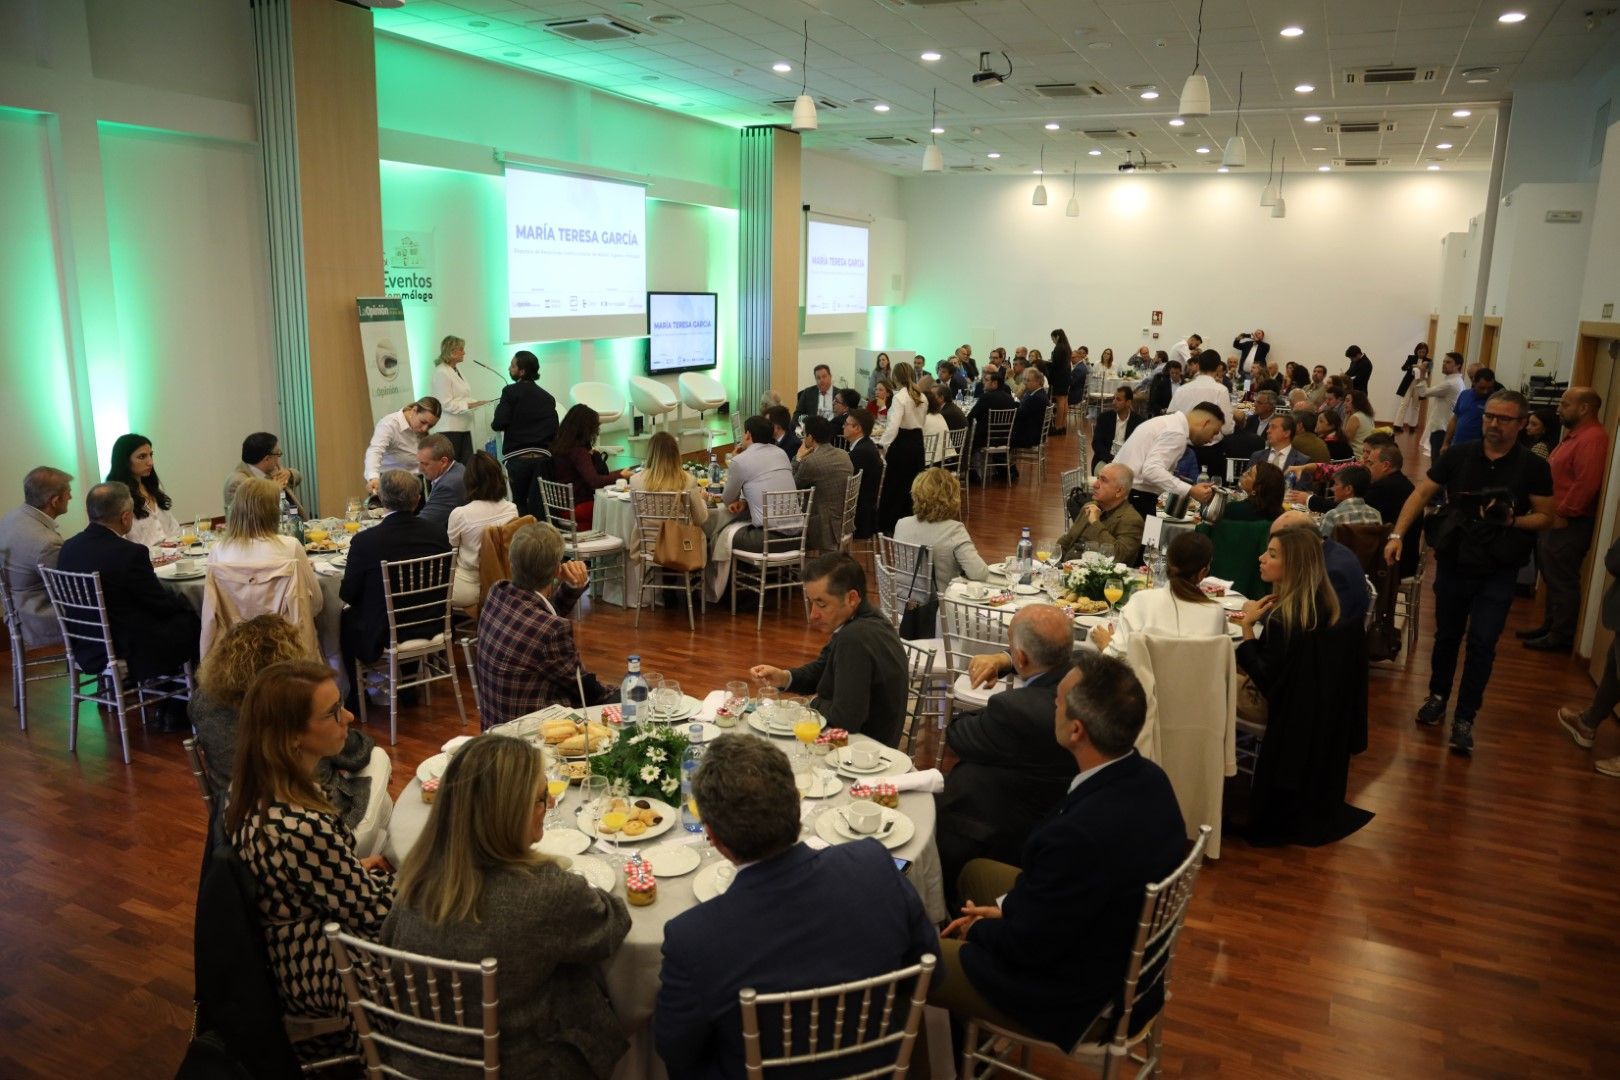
(262, 459)
(1498, 494)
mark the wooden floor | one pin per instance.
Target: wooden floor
(1473, 928)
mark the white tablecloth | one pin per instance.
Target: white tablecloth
(632, 974)
(615, 516)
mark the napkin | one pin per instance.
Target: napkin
(456, 743)
(1152, 530)
(325, 567)
(1224, 584)
(711, 705)
(931, 781)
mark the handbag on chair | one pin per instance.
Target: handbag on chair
(920, 617)
(680, 546)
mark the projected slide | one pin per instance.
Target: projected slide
(680, 332)
(576, 256)
(835, 274)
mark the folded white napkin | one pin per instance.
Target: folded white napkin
(456, 743)
(1152, 529)
(711, 705)
(322, 566)
(931, 781)
(1227, 585)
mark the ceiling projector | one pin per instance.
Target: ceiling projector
(987, 76)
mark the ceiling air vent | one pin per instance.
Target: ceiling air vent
(1359, 162)
(892, 140)
(1066, 91)
(1360, 127)
(970, 168)
(1385, 76)
(595, 28)
(1108, 133)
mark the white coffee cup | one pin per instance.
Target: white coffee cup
(863, 817)
(864, 757)
(976, 590)
(186, 566)
(621, 484)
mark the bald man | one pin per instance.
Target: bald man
(1009, 773)
(1343, 568)
(1577, 463)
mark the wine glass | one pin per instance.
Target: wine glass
(610, 813)
(1113, 592)
(1047, 551)
(667, 701)
(736, 698)
(769, 698)
(556, 786)
(592, 791)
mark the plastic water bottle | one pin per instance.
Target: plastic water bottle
(632, 693)
(1024, 558)
(714, 466)
(691, 820)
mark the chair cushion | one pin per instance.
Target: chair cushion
(416, 645)
(600, 546)
(962, 690)
(775, 557)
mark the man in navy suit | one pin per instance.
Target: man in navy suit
(865, 458)
(792, 919)
(1044, 948)
(1280, 449)
(446, 476)
(401, 534)
(1106, 436)
(154, 631)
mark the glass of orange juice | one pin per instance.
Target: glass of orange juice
(351, 526)
(556, 787)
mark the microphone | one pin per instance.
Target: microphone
(492, 371)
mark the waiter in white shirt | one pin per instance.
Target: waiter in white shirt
(1442, 396)
(396, 438)
(1157, 445)
(1186, 349)
(1208, 387)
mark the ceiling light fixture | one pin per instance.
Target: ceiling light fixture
(1304, 88)
(1202, 150)
(992, 155)
(1073, 209)
(1461, 113)
(933, 159)
(1223, 168)
(1442, 146)
(1053, 127)
(1510, 17)
(880, 107)
(930, 56)
(1280, 207)
(1268, 194)
(1195, 91)
(1095, 153)
(1236, 155)
(1176, 121)
(1324, 168)
(1434, 168)
(782, 66)
(1039, 198)
(1291, 31)
(1150, 95)
(804, 109)
(1312, 118)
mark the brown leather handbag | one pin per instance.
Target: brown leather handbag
(680, 546)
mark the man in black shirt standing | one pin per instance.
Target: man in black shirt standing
(1498, 494)
(527, 418)
(1360, 370)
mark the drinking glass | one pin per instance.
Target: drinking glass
(1047, 550)
(769, 698)
(804, 774)
(1105, 548)
(669, 700)
(352, 510)
(607, 818)
(592, 791)
(556, 787)
(736, 697)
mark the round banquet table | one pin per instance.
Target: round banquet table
(632, 973)
(326, 623)
(615, 516)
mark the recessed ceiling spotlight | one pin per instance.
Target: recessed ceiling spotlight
(783, 66)
(1313, 119)
(1223, 168)
(1324, 168)
(1176, 121)
(668, 20)
(1434, 168)
(1202, 150)
(1150, 95)
(1038, 172)
(1291, 31)
(1442, 146)
(1304, 88)
(992, 155)
(1318, 148)
(1053, 127)
(1461, 113)
(936, 131)
(880, 107)
(1510, 17)
(1095, 153)
(930, 56)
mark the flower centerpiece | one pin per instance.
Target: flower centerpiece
(649, 762)
(1088, 575)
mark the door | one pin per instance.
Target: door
(1434, 332)
(1460, 341)
(1487, 342)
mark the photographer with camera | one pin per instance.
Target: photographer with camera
(1498, 494)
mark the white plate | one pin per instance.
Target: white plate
(1026, 590)
(1232, 601)
(195, 551)
(171, 572)
(672, 860)
(563, 842)
(595, 871)
(433, 768)
(824, 785)
(764, 728)
(339, 561)
(670, 815)
(894, 832)
(688, 708)
(893, 763)
(709, 884)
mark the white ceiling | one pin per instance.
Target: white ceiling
(713, 59)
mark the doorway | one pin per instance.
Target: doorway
(1459, 344)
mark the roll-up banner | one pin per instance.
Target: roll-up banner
(386, 354)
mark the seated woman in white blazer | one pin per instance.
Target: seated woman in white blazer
(1180, 610)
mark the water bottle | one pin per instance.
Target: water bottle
(1024, 559)
(632, 694)
(714, 466)
(691, 820)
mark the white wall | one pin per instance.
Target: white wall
(1353, 262)
(1537, 271)
(1456, 288)
(1601, 284)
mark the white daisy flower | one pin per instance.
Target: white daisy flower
(649, 774)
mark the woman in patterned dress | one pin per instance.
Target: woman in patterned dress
(292, 840)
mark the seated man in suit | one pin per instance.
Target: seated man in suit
(401, 534)
(827, 469)
(1113, 426)
(782, 430)
(156, 632)
(1044, 946)
(785, 923)
(817, 400)
(1280, 449)
(865, 459)
(30, 539)
(1306, 440)
(262, 460)
(859, 679)
(1108, 516)
(1010, 773)
(1026, 429)
(446, 477)
(996, 397)
(949, 410)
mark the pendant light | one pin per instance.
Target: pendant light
(804, 109)
(1040, 188)
(1237, 151)
(1268, 194)
(1073, 209)
(933, 160)
(1195, 91)
(1280, 207)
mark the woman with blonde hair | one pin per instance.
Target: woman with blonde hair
(257, 571)
(474, 887)
(455, 397)
(936, 500)
(664, 473)
(902, 443)
(293, 841)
